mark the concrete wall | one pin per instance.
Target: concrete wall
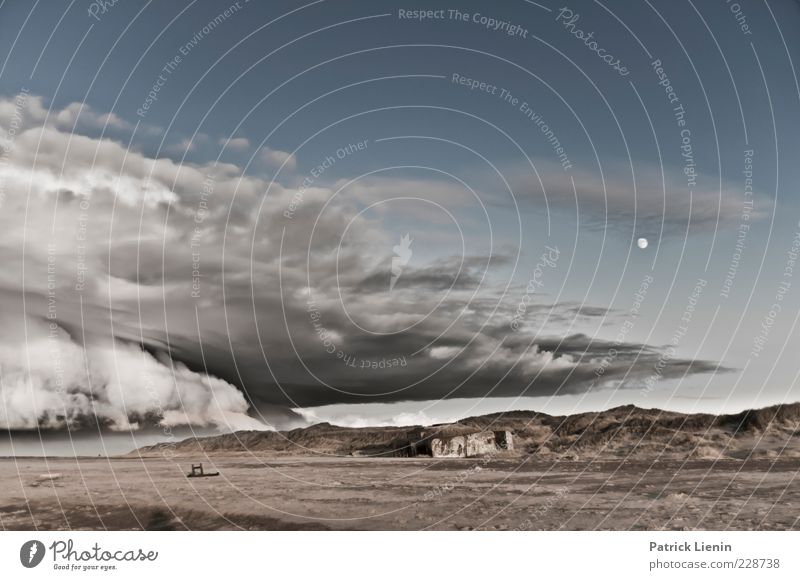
(472, 445)
(448, 447)
(481, 444)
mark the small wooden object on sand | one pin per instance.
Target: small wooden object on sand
(197, 471)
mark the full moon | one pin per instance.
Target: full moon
(642, 243)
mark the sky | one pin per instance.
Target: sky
(221, 216)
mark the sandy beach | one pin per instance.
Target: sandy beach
(255, 493)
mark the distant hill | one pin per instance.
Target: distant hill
(627, 431)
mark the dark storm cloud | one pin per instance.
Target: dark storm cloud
(212, 309)
(591, 311)
(572, 367)
(453, 273)
(432, 278)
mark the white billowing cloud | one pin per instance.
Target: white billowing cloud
(86, 199)
(236, 143)
(51, 382)
(356, 420)
(45, 160)
(444, 352)
(188, 144)
(29, 107)
(81, 113)
(276, 158)
(75, 116)
(184, 145)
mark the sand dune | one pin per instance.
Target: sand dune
(626, 431)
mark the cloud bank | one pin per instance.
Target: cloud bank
(195, 294)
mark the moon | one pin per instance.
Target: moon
(642, 243)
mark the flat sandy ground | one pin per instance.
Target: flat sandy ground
(391, 494)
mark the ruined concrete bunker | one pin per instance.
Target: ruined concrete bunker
(441, 444)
